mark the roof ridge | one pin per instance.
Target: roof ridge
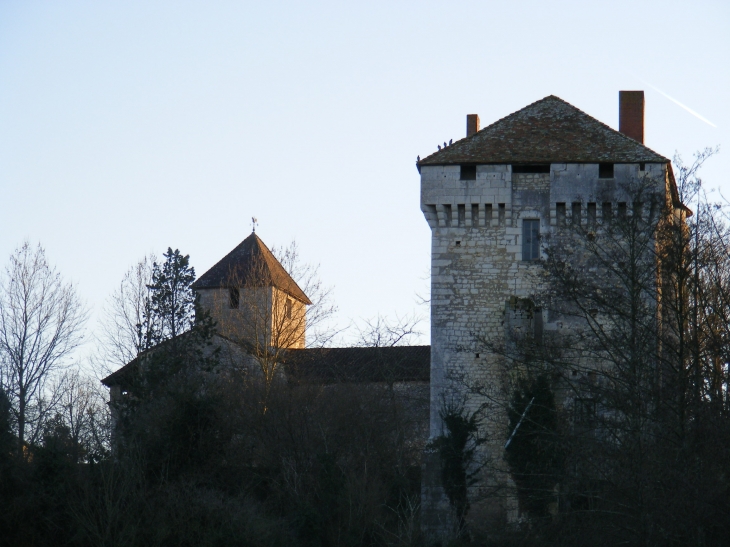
(269, 257)
(241, 258)
(548, 129)
(623, 135)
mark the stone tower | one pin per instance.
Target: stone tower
(489, 200)
(252, 298)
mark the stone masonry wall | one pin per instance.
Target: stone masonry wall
(477, 266)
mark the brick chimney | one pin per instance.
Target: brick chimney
(472, 124)
(631, 114)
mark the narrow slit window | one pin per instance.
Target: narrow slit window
(475, 214)
(622, 210)
(287, 309)
(234, 298)
(447, 214)
(502, 213)
(488, 214)
(537, 325)
(468, 172)
(560, 213)
(605, 170)
(530, 239)
(462, 215)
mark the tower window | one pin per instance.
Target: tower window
(537, 325)
(560, 213)
(605, 170)
(468, 172)
(287, 309)
(530, 239)
(234, 298)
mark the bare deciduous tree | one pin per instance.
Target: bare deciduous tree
(320, 313)
(81, 405)
(119, 339)
(637, 437)
(41, 318)
(384, 333)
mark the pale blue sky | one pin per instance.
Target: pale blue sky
(128, 127)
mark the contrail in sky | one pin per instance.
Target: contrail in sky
(688, 109)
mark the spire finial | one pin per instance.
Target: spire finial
(254, 223)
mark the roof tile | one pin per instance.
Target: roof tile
(547, 131)
(241, 264)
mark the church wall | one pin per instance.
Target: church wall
(288, 320)
(261, 315)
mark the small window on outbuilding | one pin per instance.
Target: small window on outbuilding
(234, 298)
(530, 239)
(288, 308)
(605, 170)
(468, 172)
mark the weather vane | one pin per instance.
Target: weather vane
(254, 223)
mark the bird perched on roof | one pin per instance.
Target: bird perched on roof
(444, 145)
(439, 146)
(418, 158)
(450, 141)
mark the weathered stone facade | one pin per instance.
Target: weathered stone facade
(478, 197)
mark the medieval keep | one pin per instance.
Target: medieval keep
(490, 200)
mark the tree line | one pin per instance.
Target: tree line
(616, 423)
(204, 453)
